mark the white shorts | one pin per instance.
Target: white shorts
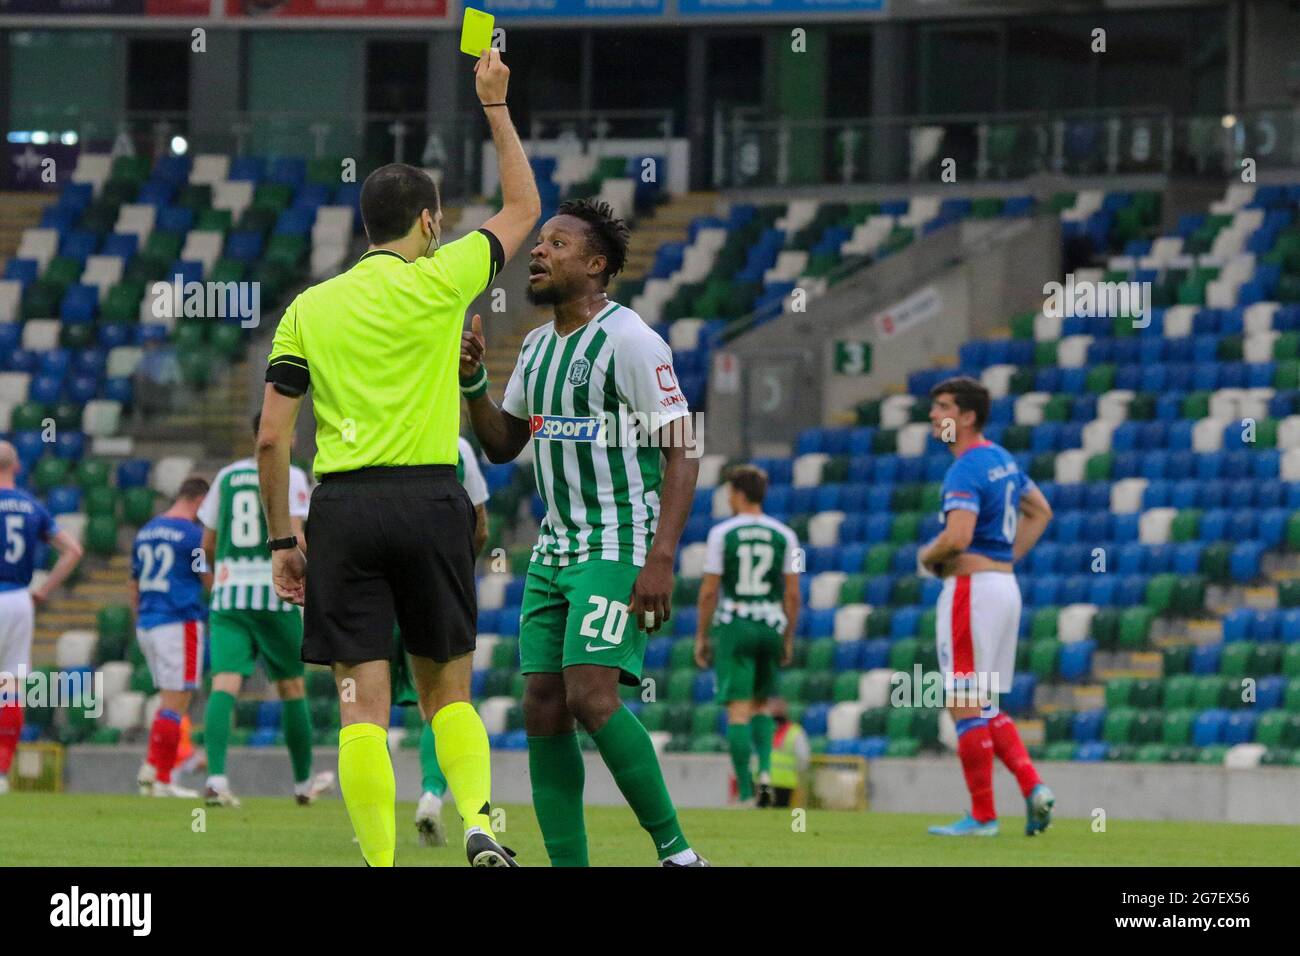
(17, 617)
(978, 622)
(174, 653)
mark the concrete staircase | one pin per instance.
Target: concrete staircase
(19, 211)
(213, 429)
(101, 582)
(670, 223)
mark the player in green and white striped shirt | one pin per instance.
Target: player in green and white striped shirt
(749, 605)
(614, 514)
(247, 620)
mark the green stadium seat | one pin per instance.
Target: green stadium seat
(1118, 692)
(790, 683)
(91, 473)
(1118, 726)
(821, 654)
(1151, 753)
(902, 654)
(101, 501)
(1044, 623)
(1057, 726)
(138, 505)
(873, 722)
(505, 654)
(681, 684)
(899, 723)
(705, 719)
(1180, 691)
(1061, 750)
(101, 535)
(49, 473)
(909, 747)
(846, 687)
(1042, 659)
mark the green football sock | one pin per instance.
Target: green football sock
(216, 730)
(763, 728)
(297, 737)
(557, 771)
(432, 779)
(630, 756)
(738, 739)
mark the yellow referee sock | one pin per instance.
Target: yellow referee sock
(369, 790)
(462, 745)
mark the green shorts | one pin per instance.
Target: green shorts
(238, 638)
(746, 658)
(577, 614)
(402, 680)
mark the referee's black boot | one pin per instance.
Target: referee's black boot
(482, 850)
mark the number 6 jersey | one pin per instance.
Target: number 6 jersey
(233, 509)
(752, 553)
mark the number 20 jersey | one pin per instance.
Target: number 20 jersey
(233, 509)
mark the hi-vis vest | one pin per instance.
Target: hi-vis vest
(785, 756)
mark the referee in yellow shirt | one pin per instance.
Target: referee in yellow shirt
(392, 530)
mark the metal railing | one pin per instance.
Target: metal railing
(750, 151)
(369, 138)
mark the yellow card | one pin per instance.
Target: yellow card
(476, 32)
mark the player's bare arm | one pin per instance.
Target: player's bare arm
(501, 435)
(289, 565)
(70, 552)
(1035, 513)
(480, 528)
(209, 546)
(792, 601)
(707, 603)
(299, 532)
(653, 589)
(956, 536)
(520, 203)
(134, 592)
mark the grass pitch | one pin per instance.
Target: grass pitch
(92, 830)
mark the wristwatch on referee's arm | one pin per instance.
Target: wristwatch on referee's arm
(282, 544)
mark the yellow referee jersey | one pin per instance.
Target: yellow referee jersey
(380, 347)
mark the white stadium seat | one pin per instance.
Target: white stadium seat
(117, 678)
(824, 529)
(875, 686)
(851, 622)
(843, 720)
(102, 417)
(75, 649)
(824, 592)
(168, 474)
(13, 387)
(41, 335)
(11, 300)
(125, 711)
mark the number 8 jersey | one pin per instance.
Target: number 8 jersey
(233, 509)
(752, 554)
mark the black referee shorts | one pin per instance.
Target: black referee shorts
(389, 544)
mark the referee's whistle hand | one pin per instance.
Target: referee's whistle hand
(289, 574)
(472, 347)
(491, 77)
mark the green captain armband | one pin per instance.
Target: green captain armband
(476, 386)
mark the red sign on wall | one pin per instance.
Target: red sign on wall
(336, 8)
(179, 8)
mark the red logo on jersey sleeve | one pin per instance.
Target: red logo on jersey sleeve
(667, 379)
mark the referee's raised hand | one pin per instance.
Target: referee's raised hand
(491, 77)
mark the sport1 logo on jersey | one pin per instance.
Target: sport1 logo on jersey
(561, 428)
